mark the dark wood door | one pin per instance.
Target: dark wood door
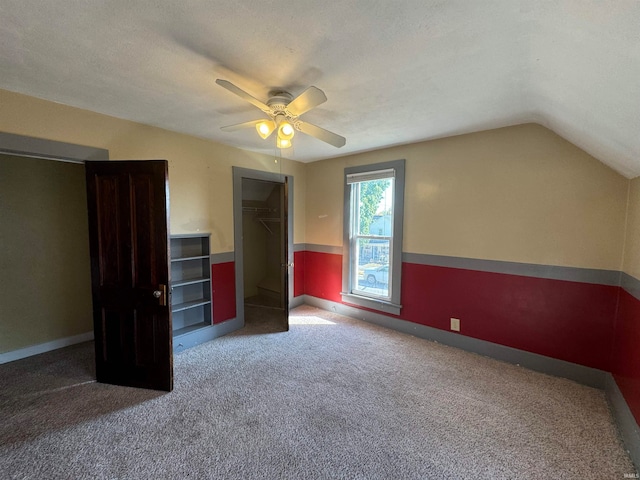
(128, 203)
(286, 265)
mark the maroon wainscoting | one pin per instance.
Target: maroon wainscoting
(625, 364)
(223, 290)
(569, 321)
(323, 275)
(298, 273)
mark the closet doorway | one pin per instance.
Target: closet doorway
(263, 264)
(48, 252)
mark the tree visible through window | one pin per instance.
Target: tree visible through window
(372, 239)
(372, 257)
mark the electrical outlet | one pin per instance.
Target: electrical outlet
(455, 324)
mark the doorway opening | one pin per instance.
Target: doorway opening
(45, 302)
(264, 253)
(263, 238)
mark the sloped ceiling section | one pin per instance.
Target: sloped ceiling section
(394, 72)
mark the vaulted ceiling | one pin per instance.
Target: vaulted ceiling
(393, 72)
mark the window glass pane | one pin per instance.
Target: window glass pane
(375, 207)
(371, 267)
(372, 260)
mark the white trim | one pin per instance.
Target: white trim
(44, 347)
(370, 175)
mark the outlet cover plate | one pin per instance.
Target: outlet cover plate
(455, 324)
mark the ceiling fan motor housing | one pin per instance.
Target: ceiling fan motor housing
(278, 101)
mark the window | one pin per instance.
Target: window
(372, 256)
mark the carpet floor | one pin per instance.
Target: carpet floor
(331, 398)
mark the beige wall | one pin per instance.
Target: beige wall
(518, 194)
(45, 280)
(632, 244)
(200, 174)
(200, 177)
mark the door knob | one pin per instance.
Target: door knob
(161, 294)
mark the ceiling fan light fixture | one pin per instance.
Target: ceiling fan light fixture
(265, 128)
(286, 131)
(283, 142)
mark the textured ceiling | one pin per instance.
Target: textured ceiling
(393, 72)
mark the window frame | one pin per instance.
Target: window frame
(390, 304)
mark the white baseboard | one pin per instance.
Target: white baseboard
(44, 347)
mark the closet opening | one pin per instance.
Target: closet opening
(262, 247)
(264, 254)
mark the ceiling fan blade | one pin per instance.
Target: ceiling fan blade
(244, 95)
(239, 126)
(322, 134)
(310, 98)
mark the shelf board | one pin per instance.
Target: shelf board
(179, 307)
(189, 281)
(190, 235)
(186, 259)
(190, 328)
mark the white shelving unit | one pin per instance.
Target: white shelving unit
(191, 305)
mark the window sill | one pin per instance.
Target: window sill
(372, 303)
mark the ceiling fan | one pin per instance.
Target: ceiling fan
(284, 111)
